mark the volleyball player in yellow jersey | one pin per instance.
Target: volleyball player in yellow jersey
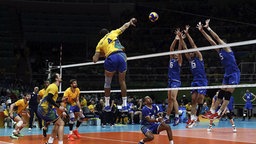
(41, 94)
(48, 113)
(71, 95)
(115, 61)
(17, 110)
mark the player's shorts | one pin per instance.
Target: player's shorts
(231, 79)
(248, 106)
(173, 84)
(72, 109)
(153, 128)
(116, 61)
(198, 83)
(49, 115)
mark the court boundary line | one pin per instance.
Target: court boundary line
(107, 139)
(3, 142)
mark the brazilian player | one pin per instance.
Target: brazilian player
(115, 61)
(72, 96)
(48, 113)
(17, 112)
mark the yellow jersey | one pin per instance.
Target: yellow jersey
(21, 105)
(83, 102)
(41, 93)
(71, 96)
(110, 43)
(52, 89)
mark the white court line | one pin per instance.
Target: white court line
(116, 140)
(2, 142)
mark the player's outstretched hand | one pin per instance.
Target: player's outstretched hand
(133, 21)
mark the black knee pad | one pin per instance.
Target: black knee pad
(227, 95)
(229, 115)
(221, 94)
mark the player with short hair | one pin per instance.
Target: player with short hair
(232, 72)
(248, 98)
(17, 112)
(72, 96)
(47, 109)
(174, 79)
(197, 68)
(151, 123)
(115, 61)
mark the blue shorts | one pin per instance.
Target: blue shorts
(116, 62)
(72, 109)
(248, 106)
(173, 84)
(153, 128)
(49, 116)
(198, 83)
(231, 79)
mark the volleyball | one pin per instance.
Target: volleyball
(153, 16)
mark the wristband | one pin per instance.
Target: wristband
(157, 119)
(209, 29)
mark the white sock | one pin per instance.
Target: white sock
(219, 112)
(124, 101)
(177, 115)
(212, 111)
(167, 116)
(171, 142)
(70, 132)
(60, 142)
(142, 141)
(107, 101)
(50, 140)
(192, 117)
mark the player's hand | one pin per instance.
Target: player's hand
(64, 114)
(160, 119)
(133, 21)
(207, 23)
(199, 26)
(186, 29)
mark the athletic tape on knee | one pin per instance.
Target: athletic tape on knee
(108, 81)
(221, 94)
(227, 95)
(19, 124)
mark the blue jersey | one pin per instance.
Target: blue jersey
(228, 61)
(248, 97)
(231, 103)
(174, 70)
(151, 112)
(197, 68)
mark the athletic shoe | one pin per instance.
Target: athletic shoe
(234, 129)
(191, 124)
(13, 136)
(207, 115)
(176, 121)
(20, 135)
(75, 132)
(189, 121)
(214, 116)
(140, 143)
(124, 109)
(70, 137)
(107, 109)
(166, 120)
(45, 132)
(29, 129)
(209, 129)
(48, 143)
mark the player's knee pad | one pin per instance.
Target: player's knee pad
(108, 81)
(221, 94)
(229, 115)
(227, 95)
(19, 123)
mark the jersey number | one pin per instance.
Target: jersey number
(221, 57)
(171, 65)
(193, 64)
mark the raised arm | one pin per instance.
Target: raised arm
(179, 34)
(208, 38)
(173, 46)
(192, 43)
(128, 24)
(215, 36)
